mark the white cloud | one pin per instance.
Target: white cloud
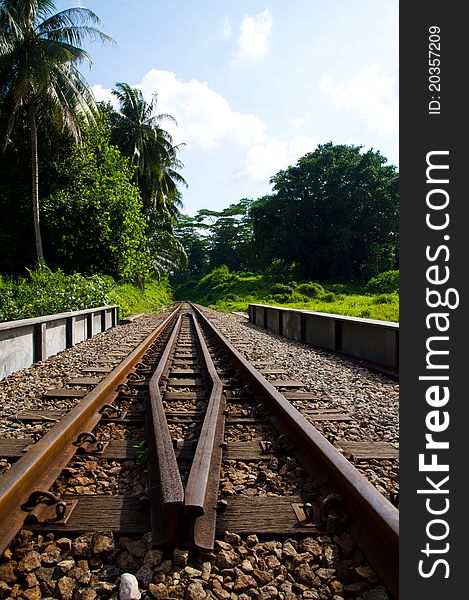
(204, 117)
(254, 39)
(103, 94)
(265, 160)
(372, 95)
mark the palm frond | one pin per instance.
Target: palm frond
(77, 36)
(70, 17)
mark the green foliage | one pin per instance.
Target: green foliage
(337, 288)
(227, 291)
(132, 300)
(217, 283)
(332, 216)
(46, 292)
(39, 77)
(95, 223)
(279, 298)
(384, 283)
(312, 289)
(142, 454)
(281, 288)
(280, 269)
(165, 252)
(383, 299)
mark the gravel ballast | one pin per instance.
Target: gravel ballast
(103, 565)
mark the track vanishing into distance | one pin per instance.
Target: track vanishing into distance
(181, 397)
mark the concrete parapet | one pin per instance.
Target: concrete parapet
(27, 341)
(376, 341)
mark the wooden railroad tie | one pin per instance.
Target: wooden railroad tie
(368, 450)
(271, 515)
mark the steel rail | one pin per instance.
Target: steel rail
(372, 519)
(43, 463)
(165, 485)
(201, 492)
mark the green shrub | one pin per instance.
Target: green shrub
(7, 299)
(279, 269)
(337, 288)
(329, 297)
(47, 292)
(384, 283)
(297, 298)
(382, 299)
(280, 298)
(281, 288)
(131, 300)
(311, 289)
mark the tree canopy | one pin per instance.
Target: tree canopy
(94, 222)
(110, 183)
(39, 78)
(334, 214)
(332, 217)
(136, 130)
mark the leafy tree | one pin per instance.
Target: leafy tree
(137, 132)
(230, 235)
(195, 245)
(39, 54)
(165, 251)
(334, 214)
(94, 223)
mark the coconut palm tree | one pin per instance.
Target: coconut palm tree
(40, 51)
(139, 135)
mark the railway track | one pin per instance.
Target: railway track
(206, 413)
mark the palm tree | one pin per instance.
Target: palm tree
(138, 134)
(39, 77)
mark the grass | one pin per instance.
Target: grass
(132, 301)
(353, 305)
(227, 292)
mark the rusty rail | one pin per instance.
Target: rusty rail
(43, 463)
(204, 478)
(165, 486)
(372, 519)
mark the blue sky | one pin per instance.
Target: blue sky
(254, 84)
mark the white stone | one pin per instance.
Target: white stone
(128, 589)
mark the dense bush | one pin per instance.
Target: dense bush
(382, 299)
(281, 288)
(219, 279)
(279, 298)
(312, 289)
(384, 283)
(46, 292)
(279, 269)
(338, 288)
(94, 224)
(232, 291)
